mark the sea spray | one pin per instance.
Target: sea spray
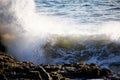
(31, 36)
(13, 28)
(23, 30)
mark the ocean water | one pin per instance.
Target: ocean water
(81, 11)
(98, 22)
(62, 31)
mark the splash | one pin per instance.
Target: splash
(24, 31)
(112, 30)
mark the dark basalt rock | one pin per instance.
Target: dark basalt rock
(10, 69)
(56, 76)
(51, 68)
(2, 77)
(44, 75)
(105, 72)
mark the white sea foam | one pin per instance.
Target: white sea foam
(24, 30)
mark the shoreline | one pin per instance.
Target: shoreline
(12, 69)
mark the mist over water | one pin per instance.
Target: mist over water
(59, 31)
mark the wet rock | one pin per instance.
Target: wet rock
(18, 70)
(43, 73)
(56, 76)
(82, 70)
(6, 58)
(10, 69)
(93, 64)
(105, 72)
(35, 75)
(51, 68)
(65, 65)
(3, 77)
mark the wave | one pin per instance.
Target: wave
(99, 49)
(29, 35)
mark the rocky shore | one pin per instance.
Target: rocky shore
(10, 69)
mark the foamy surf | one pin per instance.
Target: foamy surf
(31, 36)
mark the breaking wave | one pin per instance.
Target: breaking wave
(32, 36)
